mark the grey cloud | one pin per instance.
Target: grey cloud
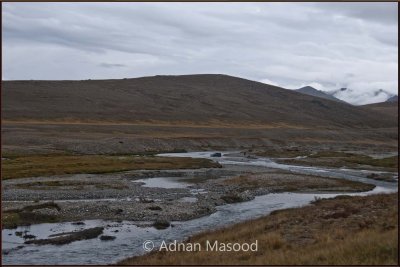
(386, 13)
(111, 65)
(289, 44)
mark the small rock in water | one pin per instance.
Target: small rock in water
(18, 233)
(160, 225)
(69, 237)
(29, 236)
(78, 223)
(218, 154)
(107, 238)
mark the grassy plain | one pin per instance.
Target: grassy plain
(58, 164)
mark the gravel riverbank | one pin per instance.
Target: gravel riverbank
(179, 195)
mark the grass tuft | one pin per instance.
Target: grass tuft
(27, 215)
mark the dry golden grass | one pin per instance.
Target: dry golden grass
(296, 183)
(46, 165)
(344, 230)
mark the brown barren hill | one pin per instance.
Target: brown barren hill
(191, 112)
(205, 99)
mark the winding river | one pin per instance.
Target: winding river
(131, 235)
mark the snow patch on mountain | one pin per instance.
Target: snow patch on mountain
(357, 97)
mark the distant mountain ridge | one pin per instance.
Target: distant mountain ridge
(394, 98)
(309, 90)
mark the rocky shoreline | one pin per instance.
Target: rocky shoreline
(121, 196)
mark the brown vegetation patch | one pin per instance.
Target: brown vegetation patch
(47, 165)
(28, 215)
(283, 182)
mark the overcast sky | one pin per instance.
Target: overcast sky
(326, 45)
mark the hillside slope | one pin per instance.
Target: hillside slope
(386, 108)
(189, 98)
(308, 90)
(392, 99)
